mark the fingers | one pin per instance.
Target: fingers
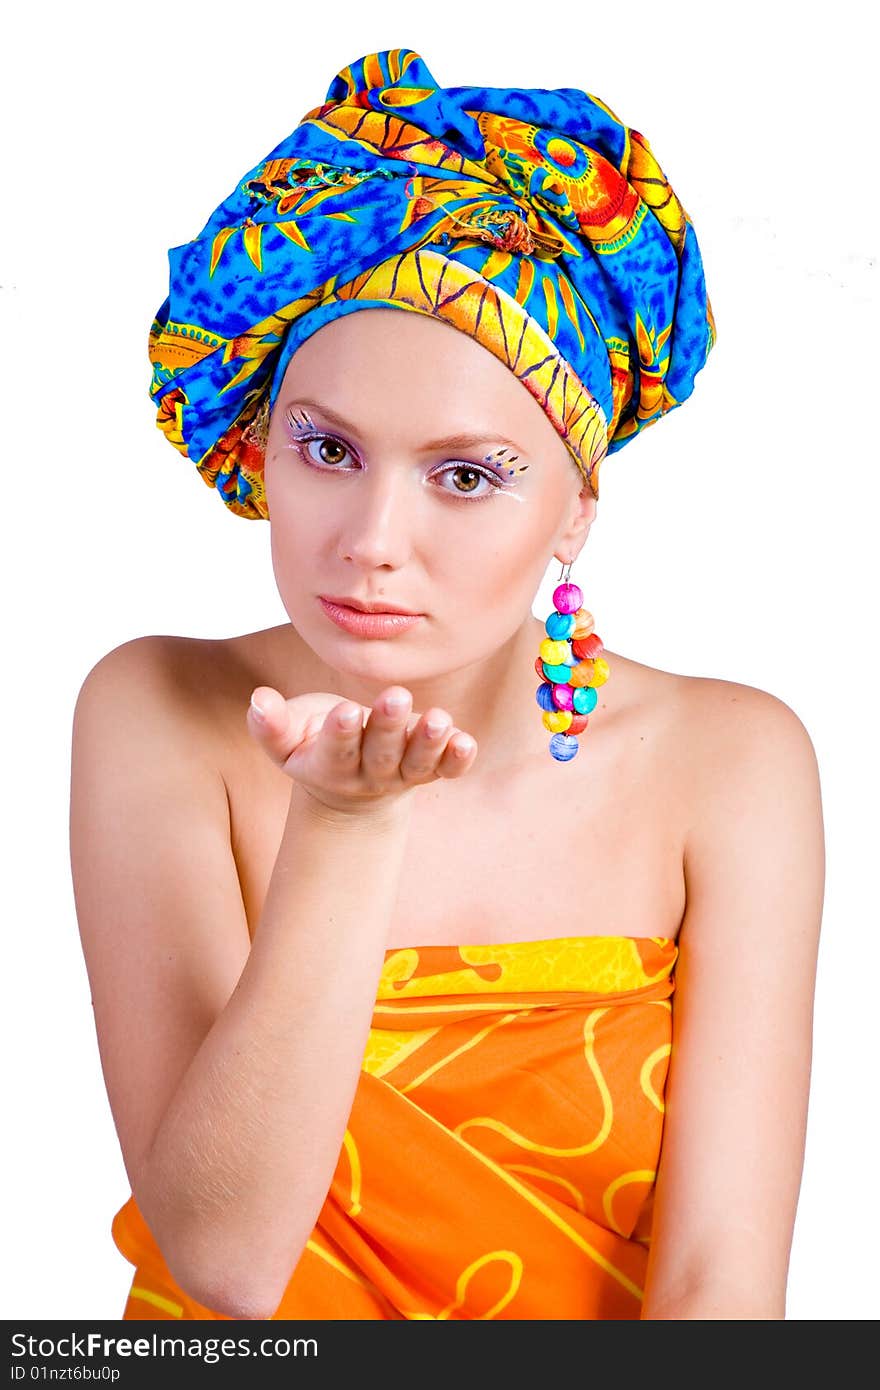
(418, 750)
(341, 737)
(265, 707)
(459, 756)
(394, 747)
(385, 736)
(270, 722)
(436, 747)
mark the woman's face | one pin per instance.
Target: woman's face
(366, 501)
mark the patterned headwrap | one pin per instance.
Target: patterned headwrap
(533, 220)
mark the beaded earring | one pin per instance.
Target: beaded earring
(570, 667)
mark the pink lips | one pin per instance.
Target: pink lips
(369, 624)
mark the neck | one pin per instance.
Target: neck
(493, 699)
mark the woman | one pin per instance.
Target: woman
(384, 993)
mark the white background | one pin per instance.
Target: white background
(737, 538)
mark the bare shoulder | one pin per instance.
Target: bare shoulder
(736, 739)
(735, 705)
(184, 668)
(696, 725)
(185, 685)
(754, 845)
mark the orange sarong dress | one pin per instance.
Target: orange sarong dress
(502, 1146)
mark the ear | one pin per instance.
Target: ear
(581, 517)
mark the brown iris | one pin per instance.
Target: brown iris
(473, 474)
(331, 444)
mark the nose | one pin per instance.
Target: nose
(377, 518)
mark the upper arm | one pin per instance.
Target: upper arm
(739, 1073)
(158, 902)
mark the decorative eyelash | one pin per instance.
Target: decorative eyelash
(496, 457)
(307, 430)
(298, 424)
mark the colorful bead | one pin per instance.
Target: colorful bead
(583, 624)
(558, 675)
(553, 652)
(557, 721)
(570, 667)
(567, 598)
(587, 646)
(563, 696)
(560, 626)
(582, 674)
(563, 748)
(544, 696)
(584, 699)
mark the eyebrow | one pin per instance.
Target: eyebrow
(452, 441)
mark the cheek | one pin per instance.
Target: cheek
(496, 561)
(293, 511)
(293, 543)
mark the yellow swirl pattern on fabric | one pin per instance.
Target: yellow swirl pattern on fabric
(501, 1152)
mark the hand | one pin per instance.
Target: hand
(365, 764)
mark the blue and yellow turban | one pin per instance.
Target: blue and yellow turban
(533, 220)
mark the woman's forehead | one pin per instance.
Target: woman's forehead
(392, 333)
(359, 364)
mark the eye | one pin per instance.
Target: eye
(330, 450)
(325, 450)
(472, 476)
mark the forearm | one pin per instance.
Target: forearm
(716, 1305)
(243, 1159)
